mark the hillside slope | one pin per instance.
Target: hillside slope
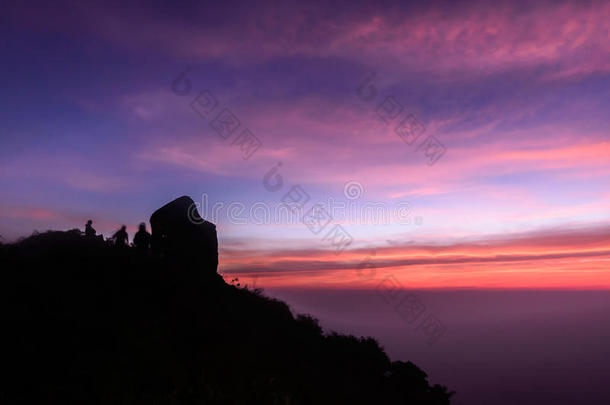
(84, 322)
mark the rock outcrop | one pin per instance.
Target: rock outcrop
(179, 233)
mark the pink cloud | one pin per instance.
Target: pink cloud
(348, 144)
(568, 37)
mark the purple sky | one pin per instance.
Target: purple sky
(352, 102)
(516, 92)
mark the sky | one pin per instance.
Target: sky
(426, 144)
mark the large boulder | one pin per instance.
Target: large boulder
(179, 233)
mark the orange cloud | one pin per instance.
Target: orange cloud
(566, 258)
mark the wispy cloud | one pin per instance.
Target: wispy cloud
(478, 37)
(525, 257)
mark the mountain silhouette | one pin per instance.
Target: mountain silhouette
(84, 321)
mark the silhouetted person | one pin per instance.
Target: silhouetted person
(179, 233)
(120, 237)
(141, 240)
(89, 231)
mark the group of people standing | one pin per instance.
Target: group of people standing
(120, 238)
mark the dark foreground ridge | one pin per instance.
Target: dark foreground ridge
(87, 322)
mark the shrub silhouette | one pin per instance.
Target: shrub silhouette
(84, 322)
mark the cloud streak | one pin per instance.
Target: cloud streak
(529, 254)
